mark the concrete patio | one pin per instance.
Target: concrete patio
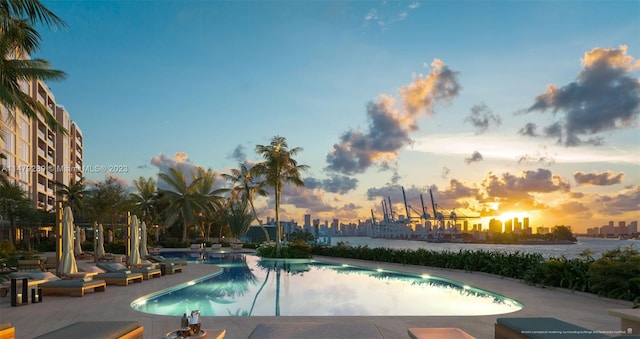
(54, 312)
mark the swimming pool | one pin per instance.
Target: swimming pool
(252, 286)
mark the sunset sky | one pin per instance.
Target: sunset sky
(526, 107)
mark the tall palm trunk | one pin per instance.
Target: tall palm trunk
(184, 230)
(278, 230)
(255, 215)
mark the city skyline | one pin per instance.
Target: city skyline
(527, 109)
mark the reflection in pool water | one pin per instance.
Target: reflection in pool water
(253, 286)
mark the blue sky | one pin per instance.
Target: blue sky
(155, 83)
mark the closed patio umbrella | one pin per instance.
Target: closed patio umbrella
(134, 256)
(68, 260)
(143, 240)
(100, 248)
(77, 241)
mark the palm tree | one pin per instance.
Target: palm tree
(13, 204)
(145, 199)
(245, 187)
(237, 216)
(183, 200)
(279, 169)
(212, 196)
(18, 40)
(73, 194)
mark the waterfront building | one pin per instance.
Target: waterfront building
(37, 156)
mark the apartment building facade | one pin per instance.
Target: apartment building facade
(36, 156)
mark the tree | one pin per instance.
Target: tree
(13, 204)
(145, 200)
(246, 187)
(183, 200)
(279, 169)
(18, 40)
(238, 217)
(73, 195)
(209, 214)
(107, 203)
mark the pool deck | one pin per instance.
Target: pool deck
(54, 312)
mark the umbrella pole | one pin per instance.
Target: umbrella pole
(58, 236)
(127, 241)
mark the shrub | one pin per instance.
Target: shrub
(295, 249)
(616, 274)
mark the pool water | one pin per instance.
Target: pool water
(252, 286)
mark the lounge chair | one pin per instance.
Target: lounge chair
(27, 265)
(98, 329)
(120, 278)
(147, 272)
(73, 288)
(7, 331)
(438, 332)
(161, 259)
(312, 330)
(49, 263)
(540, 328)
(57, 286)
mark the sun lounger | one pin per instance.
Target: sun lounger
(147, 272)
(540, 328)
(120, 278)
(98, 329)
(7, 331)
(26, 265)
(160, 259)
(440, 333)
(73, 288)
(312, 330)
(197, 247)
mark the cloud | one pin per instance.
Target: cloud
(509, 186)
(605, 96)
(302, 197)
(389, 128)
(599, 179)
(387, 14)
(439, 86)
(529, 130)
(145, 166)
(475, 157)
(179, 161)
(238, 154)
(481, 117)
(445, 172)
(387, 133)
(541, 156)
(628, 201)
(334, 184)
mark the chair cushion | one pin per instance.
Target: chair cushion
(98, 329)
(43, 276)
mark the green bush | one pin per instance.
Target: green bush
(6, 249)
(295, 249)
(616, 274)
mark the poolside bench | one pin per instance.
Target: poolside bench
(438, 332)
(98, 329)
(541, 328)
(629, 319)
